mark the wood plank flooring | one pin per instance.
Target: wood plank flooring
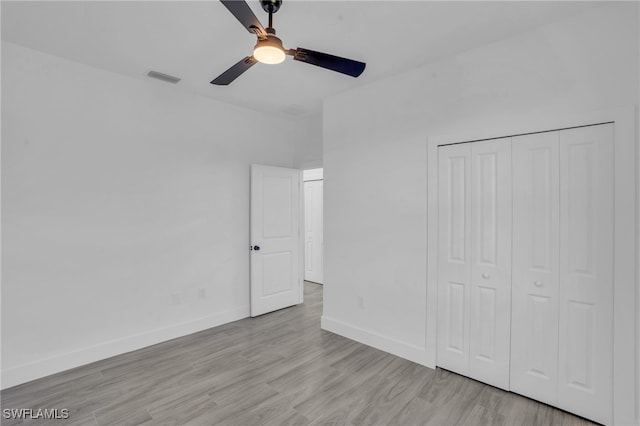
(277, 369)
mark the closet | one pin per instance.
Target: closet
(525, 265)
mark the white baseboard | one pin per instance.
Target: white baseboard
(404, 350)
(45, 367)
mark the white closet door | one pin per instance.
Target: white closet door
(535, 283)
(454, 265)
(586, 271)
(490, 290)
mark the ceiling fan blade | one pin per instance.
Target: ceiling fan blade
(235, 71)
(241, 10)
(331, 62)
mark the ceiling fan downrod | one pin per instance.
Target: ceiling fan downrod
(271, 7)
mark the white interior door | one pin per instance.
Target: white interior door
(534, 337)
(276, 268)
(313, 250)
(474, 269)
(490, 304)
(586, 272)
(454, 256)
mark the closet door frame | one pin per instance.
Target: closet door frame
(626, 301)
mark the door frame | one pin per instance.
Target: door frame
(626, 288)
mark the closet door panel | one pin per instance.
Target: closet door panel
(454, 242)
(535, 279)
(490, 304)
(586, 271)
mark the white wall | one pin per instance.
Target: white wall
(374, 156)
(308, 141)
(118, 194)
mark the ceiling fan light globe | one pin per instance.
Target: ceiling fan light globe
(268, 54)
(269, 51)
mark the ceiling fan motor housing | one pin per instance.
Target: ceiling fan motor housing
(270, 40)
(271, 6)
(269, 50)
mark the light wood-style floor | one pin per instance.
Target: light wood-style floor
(277, 369)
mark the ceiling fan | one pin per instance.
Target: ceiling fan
(269, 49)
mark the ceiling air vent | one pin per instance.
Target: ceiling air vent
(164, 77)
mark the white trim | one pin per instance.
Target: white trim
(35, 370)
(301, 230)
(626, 401)
(373, 339)
(313, 174)
(637, 260)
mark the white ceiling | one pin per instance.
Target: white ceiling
(197, 40)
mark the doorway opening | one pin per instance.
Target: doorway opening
(313, 225)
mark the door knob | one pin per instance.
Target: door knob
(538, 283)
(256, 248)
(485, 276)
